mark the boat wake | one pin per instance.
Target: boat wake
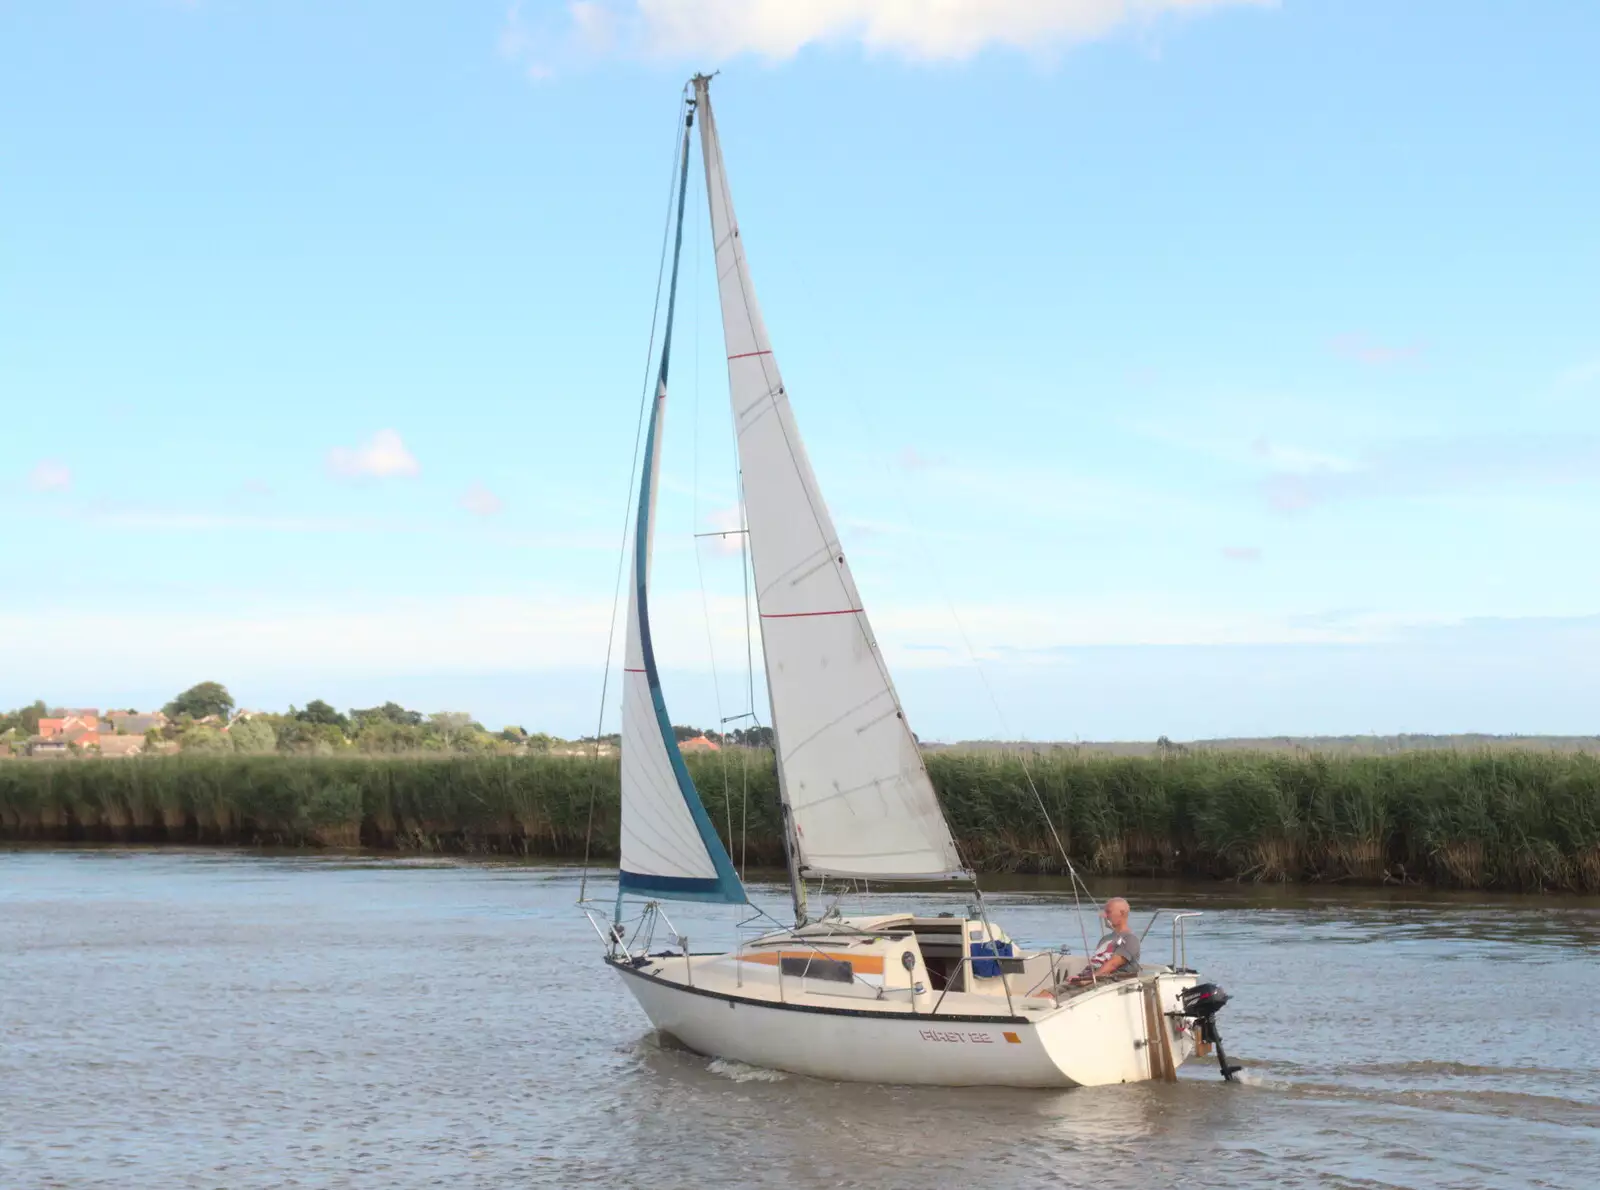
(1251, 1078)
(740, 1073)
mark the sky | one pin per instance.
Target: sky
(1169, 366)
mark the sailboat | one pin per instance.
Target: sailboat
(947, 999)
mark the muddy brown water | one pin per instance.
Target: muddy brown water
(218, 1019)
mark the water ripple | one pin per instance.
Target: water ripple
(205, 1019)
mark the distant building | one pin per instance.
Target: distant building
(238, 717)
(135, 722)
(86, 717)
(699, 744)
(582, 748)
(121, 745)
(77, 728)
(52, 746)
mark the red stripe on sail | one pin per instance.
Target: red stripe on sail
(748, 354)
(849, 611)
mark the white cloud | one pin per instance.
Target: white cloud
(480, 501)
(382, 456)
(1580, 376)
(514, 39)
(1242, 553)
(376, 636)
(361, 636)
(594, 25)
(1372, 353)
(1433, 466)
(1029, 630)
(914, 460)
(519, 43)
(50, 475)
(1295, 458)
(155, 519)
(1056, 495)
(372, 636)
(159, 520)
(1055, 664)
(922, 30)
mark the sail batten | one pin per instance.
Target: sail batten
(850, 771)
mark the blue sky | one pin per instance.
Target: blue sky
(1209, 368)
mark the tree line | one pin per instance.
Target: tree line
(205, 718)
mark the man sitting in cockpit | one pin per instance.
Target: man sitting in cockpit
(1117, 952)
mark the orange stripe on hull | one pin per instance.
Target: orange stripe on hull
(863, 964)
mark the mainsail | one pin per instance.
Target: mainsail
(669, 846)
(849, 768)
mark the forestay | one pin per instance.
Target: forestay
(848, 765)
(669, 846)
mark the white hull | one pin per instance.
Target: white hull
(1095, 1038)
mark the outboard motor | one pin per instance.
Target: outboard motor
(1201, 1004)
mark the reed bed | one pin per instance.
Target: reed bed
(1510, 820)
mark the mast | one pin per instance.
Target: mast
(856, 796)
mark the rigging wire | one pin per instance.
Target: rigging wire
(972, 655)
(749, 655)
(747, 577)
(699, 568)
(622, 553)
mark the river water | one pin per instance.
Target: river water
(212, 1019)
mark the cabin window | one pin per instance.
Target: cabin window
(816, 967)
(942, 947)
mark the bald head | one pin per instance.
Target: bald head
(1117, 913)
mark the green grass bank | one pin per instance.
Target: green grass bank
(1504, 820)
